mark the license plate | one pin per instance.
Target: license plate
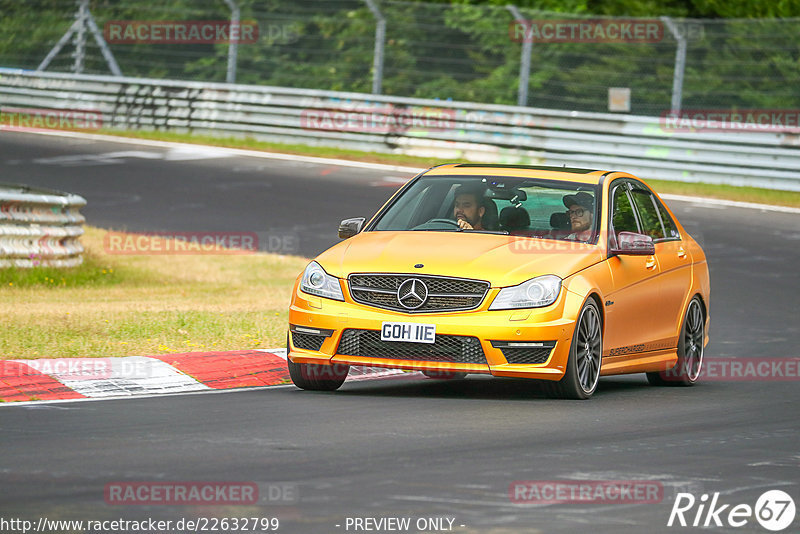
(409, 332)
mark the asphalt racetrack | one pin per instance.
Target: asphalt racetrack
(394, 448)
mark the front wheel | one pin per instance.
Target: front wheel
(316, 377)
(690, 351)
(585, 356)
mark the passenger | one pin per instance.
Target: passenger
(581, 215)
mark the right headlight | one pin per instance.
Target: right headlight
(316, 281)
(535, 293)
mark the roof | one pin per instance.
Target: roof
(569, 174)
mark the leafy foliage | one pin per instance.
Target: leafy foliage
(460, 51)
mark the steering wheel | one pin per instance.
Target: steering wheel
(435, 224)
(449, 221)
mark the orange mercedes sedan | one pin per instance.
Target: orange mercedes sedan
(556, 274)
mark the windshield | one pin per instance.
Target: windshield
(517, 206)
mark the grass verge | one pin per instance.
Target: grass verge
(116, 305)
(727, 192)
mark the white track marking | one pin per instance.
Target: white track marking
(33, 404)
(234, 151)
(108, 158)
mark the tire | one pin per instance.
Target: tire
(443, 375)
(690, 351)
(585, 357)
(315, 377)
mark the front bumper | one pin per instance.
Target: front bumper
(552, 325)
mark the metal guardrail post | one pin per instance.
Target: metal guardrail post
(680, 65)
(233, 46)
(525, 61)
(380, 37)
(39, 227)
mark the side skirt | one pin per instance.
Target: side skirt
(643, 362)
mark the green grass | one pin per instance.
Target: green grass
(124, 305)
(94, 272)
(729, 192)
(742, 194)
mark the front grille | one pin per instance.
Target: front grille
(307, 341)
(526, 355)
(368, 344)
(443, 293)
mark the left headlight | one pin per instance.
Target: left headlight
(535, 293)
(316, 281)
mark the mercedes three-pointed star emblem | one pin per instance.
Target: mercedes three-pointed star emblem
(412, 293)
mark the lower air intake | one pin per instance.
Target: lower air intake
(368, 344)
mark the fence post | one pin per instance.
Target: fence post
(380, 37)
(233, 45)
(80, 36)
(680, 65)
(525, 61)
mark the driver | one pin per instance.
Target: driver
(468, 210)
(581, 214)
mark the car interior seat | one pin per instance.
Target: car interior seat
(514, 219)
(490, 217)
(559, 222)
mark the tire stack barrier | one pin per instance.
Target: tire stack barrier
(40, 227)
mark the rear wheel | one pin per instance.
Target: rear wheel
(316, 377)
(690, 351)
(585, 356)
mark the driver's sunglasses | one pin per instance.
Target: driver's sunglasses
(576, 213)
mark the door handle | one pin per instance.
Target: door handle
(651, 262)
(681, 253)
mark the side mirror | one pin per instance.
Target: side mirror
(350, 227)
(633, 244)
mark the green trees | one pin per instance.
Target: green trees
(458, 51)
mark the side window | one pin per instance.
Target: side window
(648, 213)
(622, 217)
(669, 225)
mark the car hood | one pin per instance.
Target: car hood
(501, 259)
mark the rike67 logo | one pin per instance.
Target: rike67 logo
(774, 510)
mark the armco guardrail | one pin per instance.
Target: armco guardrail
(39, 227)
(441, 130)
